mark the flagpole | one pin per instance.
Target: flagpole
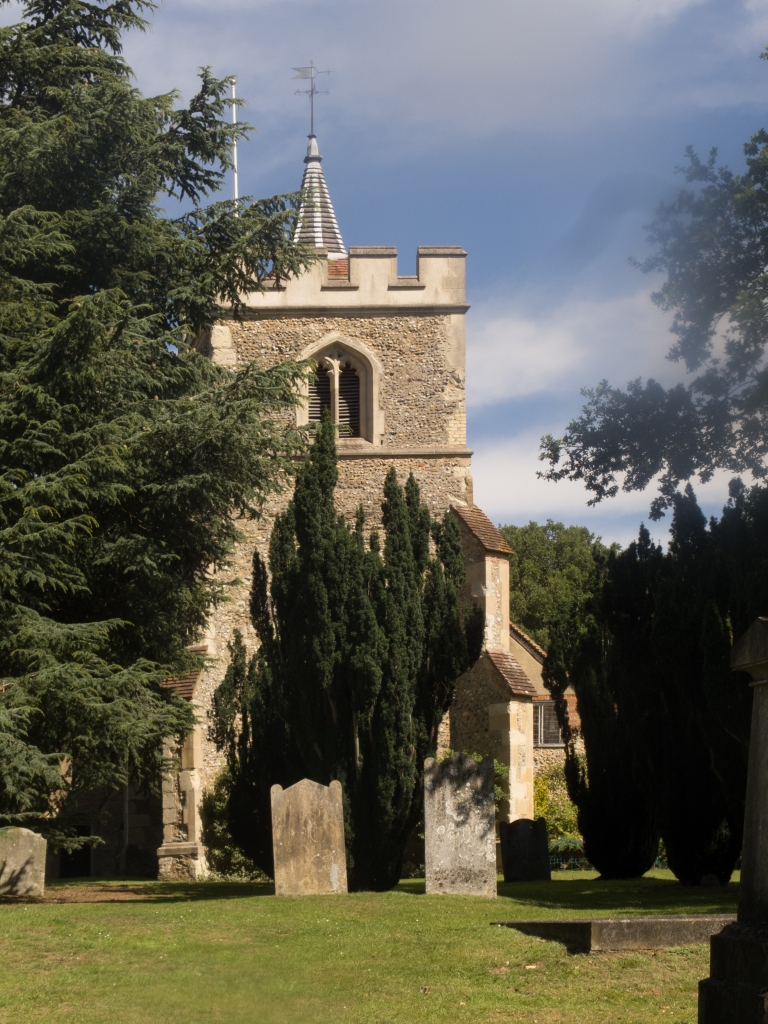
(234, 145)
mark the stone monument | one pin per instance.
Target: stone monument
(22, 862)
(308, 839)
(525, 850)
(736, 991)
(459, 815)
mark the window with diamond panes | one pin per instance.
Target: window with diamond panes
(546, 728)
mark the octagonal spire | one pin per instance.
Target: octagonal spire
(318, 225)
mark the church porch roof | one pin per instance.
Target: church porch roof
(478, 523)
(507, 666)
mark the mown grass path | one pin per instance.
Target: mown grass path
(154, 953)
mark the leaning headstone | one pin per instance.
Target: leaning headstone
(525, 850)
(736, 991)
(459, 813)
(22, 862)
(308, 839)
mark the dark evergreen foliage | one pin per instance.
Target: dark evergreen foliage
(359, 654)
(122, 452)
(654, 676)
(668, 634)
(615, 817)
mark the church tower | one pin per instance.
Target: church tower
(390, 355)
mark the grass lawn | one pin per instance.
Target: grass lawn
(160, 953)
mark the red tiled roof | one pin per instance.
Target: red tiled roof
(478, 523)
(505, 663)
(185, 685)
(522, 638)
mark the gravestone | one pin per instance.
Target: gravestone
(525, 850)
(308, 839)
(22, 862)
(459, 813)
(736, 991)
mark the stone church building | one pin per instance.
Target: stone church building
(390, 352)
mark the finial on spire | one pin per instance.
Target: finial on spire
(311, 73)
(317, 221)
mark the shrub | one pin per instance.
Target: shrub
(551, 801)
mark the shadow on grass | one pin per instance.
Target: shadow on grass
(577, 896)
(630, 896)
(571, 895)
(92, 890)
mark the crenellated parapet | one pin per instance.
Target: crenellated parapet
(368, 279)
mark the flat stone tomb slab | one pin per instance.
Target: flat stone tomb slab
(22, 862)
(308, 839)
(591, 935)
(459, 817)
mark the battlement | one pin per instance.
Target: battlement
(368, 279)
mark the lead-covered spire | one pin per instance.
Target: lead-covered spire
(318, 226)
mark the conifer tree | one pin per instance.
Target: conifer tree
(658, 703)
(666, 615)
(123, 453)
(616, 818)
(360, 650)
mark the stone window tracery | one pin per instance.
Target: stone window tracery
(335, 386)
(346, 381)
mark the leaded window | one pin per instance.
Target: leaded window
(546, 728)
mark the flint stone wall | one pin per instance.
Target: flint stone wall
(308, 839)
(22, 862)
(422, 387)
(422, 401)
(422, 398)
(460, 843)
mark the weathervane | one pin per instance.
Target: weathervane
(311, 73)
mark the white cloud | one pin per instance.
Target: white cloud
(432, 71)
(429, 72)
(512, 353)
(508, 491)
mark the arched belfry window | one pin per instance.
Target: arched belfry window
(346, 382)
(335, 385)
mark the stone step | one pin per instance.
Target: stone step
(590, 935)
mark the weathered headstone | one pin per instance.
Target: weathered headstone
(308, 839)
(525, 850)
(736, 991)
(22, 862)
(459, 813)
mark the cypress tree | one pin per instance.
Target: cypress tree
(359, 653)
(669, 639)
(658, 703)
(615, 817)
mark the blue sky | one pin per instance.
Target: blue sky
(538, 134)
